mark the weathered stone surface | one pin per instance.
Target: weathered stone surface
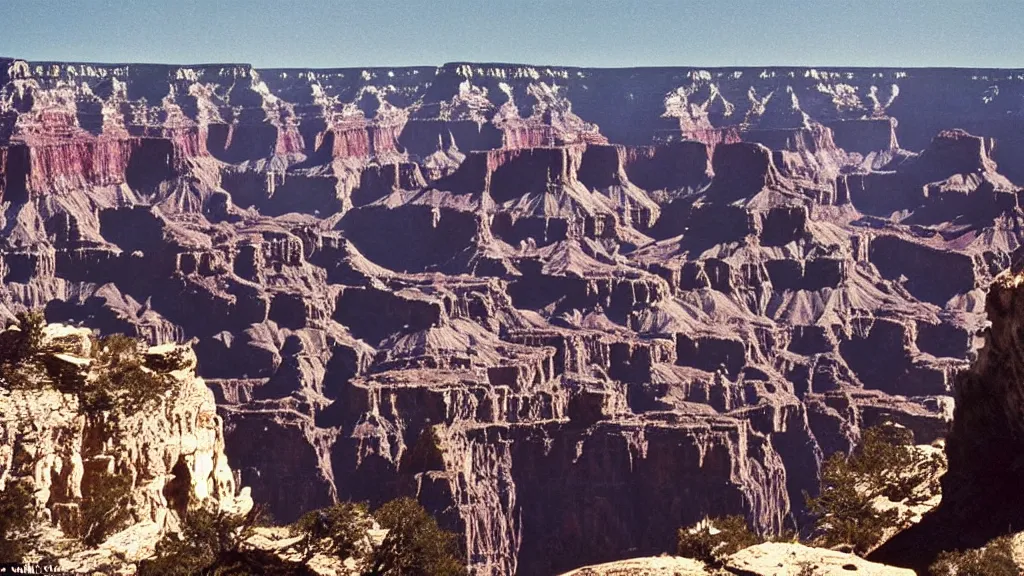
(768, 559)
(785, 559)
(658, 566)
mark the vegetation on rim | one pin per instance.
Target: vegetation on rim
(17, 512)
(21, 352)
(333, 531)
(216, 542)
(995, 559)
(123, 380)
(213, 542)
(415, 544)
(118, 376)
(104, 507)
(885, 464)
(712, 541)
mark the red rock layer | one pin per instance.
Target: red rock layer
(538, 135)
(289, 141)
(36, 168)
(714, 136)
(76, 164)
(529, 137)
(512, 173)
(358, 140)
(188, 141)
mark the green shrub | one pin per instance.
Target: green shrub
(884, 464)
(174, 360)
(996, 559)
(17, 512)
(21, 351)
(123, 377)
(212, 543)
(104, 507)
(886, 460)
(334, 531)
(415, 545)
(122, 380)
(713, 541)
(30, 342)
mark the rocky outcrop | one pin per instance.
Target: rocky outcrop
(658, 566)
(983, 447)
(673, 167)
(865, 135)
(171, 457)
(778, 559)
(525, 295)
(768, 559)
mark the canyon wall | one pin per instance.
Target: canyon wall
(568, 309)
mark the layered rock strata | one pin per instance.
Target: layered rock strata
(569, 309)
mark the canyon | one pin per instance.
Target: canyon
(570, 310)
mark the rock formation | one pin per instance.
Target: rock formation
(984, 450)
(656, 566)
(569, 309)
(785, 559)
(984, 445)
(768, 559)
(170, 456)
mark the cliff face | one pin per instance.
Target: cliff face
(167, 456)
(985, 442)
(979, 490)
(569, 309)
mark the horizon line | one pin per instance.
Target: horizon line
(250, 65)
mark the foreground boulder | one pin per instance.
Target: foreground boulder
(788, 559)
(657, 566)
(768, 559)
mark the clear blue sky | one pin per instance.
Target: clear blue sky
(343, 33)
